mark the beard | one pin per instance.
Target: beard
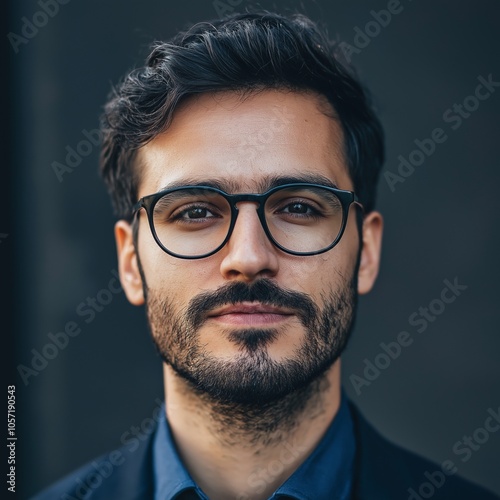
(252, 381)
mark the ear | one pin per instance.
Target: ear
(370, 255)
(130, 276)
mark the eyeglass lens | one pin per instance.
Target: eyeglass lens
(196, 221)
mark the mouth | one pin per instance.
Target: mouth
(250, 314)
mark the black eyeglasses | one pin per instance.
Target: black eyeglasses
(193, 222)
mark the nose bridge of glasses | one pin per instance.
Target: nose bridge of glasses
(252, 198)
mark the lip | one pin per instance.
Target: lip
(250, 313)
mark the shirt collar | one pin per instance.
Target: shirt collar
(171, 477)
(326, 473)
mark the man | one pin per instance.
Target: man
(242, 161)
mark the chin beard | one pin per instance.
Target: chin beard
(252, 379)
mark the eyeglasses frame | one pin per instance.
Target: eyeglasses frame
(347, 198)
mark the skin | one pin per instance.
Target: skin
(244, 141)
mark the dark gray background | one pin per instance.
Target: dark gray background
(441, 223)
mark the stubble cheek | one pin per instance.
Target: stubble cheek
(320, 276)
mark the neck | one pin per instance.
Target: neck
(234, 451)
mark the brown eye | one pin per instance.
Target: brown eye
(197, 213)
(298, 208)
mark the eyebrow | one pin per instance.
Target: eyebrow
(263, 185)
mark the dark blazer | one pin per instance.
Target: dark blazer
(383, 471)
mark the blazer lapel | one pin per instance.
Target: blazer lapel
(379, 473)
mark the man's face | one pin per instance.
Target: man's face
(250, 323)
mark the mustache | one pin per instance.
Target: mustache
(264, 291)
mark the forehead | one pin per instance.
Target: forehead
(244, 142)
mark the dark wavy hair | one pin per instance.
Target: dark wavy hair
(243, 52)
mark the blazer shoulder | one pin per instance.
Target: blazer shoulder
(386, 471)
(125, 473)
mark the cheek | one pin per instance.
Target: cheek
(179, 279)
(319, 275)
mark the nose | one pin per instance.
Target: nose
(249, 254)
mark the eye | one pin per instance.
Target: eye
(193, 213)
(298, 208)
(197, 213)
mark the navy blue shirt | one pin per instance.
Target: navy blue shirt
(325, 474)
